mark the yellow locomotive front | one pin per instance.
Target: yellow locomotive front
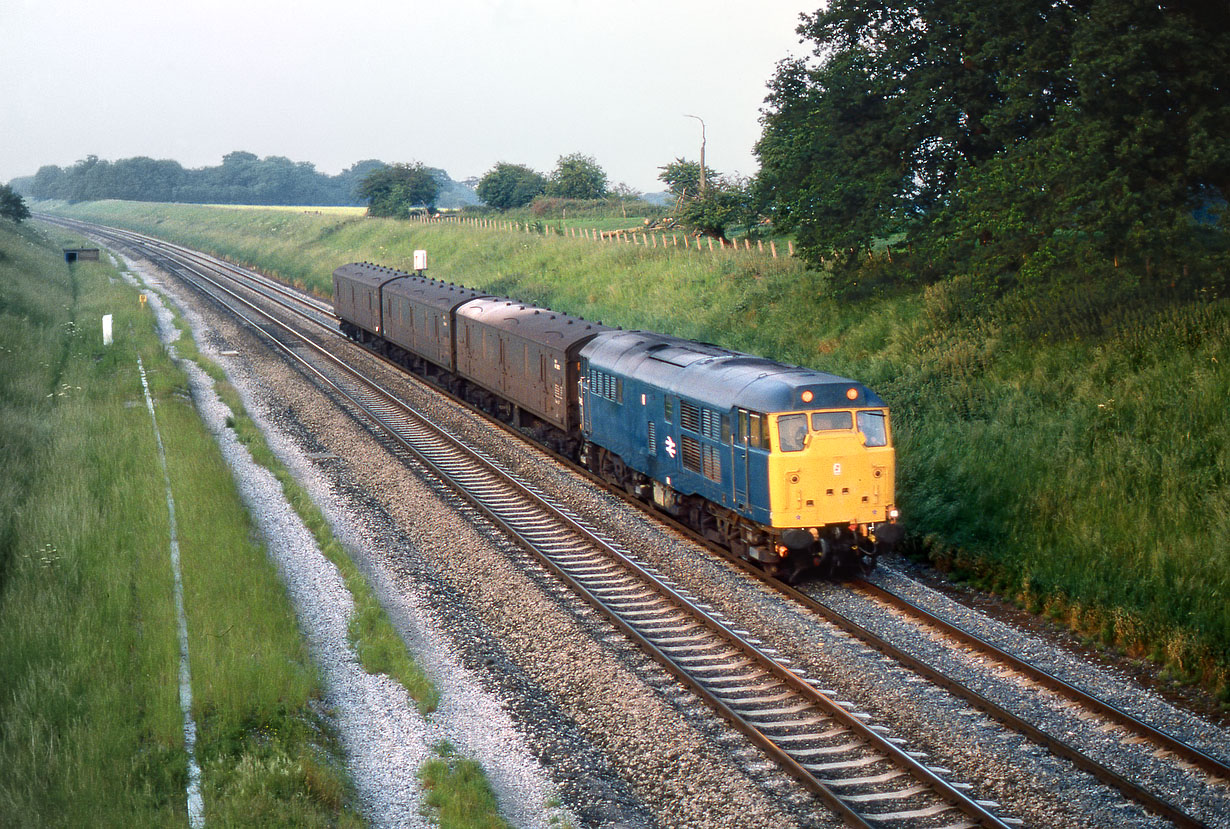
(831, 475)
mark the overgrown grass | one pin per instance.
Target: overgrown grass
(90, 727)
(457, 793)
(380, 649)
(1065, 445)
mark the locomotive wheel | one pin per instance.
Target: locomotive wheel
(866, 563)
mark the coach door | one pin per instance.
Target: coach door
(738, 466)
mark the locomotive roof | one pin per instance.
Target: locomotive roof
(720, 377)
(533, 322)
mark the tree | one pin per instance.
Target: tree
(396, 190)
(144, 179)
(506, 186)
(345, 185)
(577, 176)
(50, 182)
(682, 177)
(625, 193)
(995, 134)
(724, 202)
(12, 205)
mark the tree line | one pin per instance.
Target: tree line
(712, 209)
(241, 178)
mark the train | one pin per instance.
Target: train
(789, 468)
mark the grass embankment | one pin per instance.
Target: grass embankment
(91, 731)
(379, 647)
(1065, 445)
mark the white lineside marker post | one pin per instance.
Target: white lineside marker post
(420, 261)
(106, 322)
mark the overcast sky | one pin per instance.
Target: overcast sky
(457, 84)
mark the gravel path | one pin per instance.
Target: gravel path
(385, 738)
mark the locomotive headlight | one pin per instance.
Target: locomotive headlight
(808, 396)
(892, 514)
(852, 394)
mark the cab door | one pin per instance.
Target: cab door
(738, 460)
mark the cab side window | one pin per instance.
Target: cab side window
(757, 434)
(873, 427)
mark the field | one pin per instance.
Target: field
(1064, 445)
(91, 731)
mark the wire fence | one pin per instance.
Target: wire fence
(644, 238)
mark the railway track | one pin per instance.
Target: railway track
(860, 773)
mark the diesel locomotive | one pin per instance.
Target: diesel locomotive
(784, 466)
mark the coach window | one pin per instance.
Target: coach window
(668, 408)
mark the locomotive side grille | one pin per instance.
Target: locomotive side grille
(689, 416)
(712, 463)
(653, 437)
(691, 453)
(606, 385)
(710, 424)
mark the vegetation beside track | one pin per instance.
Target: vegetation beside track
(458, 795)
(1063, 444)
(379, 647)
(91, 731)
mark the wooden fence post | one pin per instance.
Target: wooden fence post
(773, 248)
(790, 247)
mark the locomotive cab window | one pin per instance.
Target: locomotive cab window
(874, 428)
(830, 421)
(792, 432)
